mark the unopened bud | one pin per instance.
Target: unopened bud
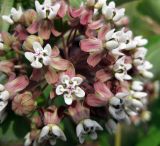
(23, 103)
(28, 44)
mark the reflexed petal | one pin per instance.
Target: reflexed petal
(60, 90)
(79, 92)
(44, 132)
(18, 84)
(81, 139)
(86, 17)
(16, 14)
(28, 141)
(3, 116)
(30, 56)
(95, 100)
(103, 90)
(137, 85)
(68, 99)
(59, 63)
(91, 45)
(77, 80)
(37, 47)
(119, 76)
(51, 76)
(94, 58)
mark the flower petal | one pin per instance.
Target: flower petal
(17, 84)
(60, 90)
(103, 90)
(77, 80)
(79, 92)
(37, 47)
(36, 64)
(91, 45)
(68, 99)
(30, 56)
(94, 58)
(44, 132)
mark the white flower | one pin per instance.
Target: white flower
(120, 68)
(14, 16)
(137, 86)
(4, 97)
(117, 107)
(139, 56)
(51, 133)
(118, 41)
(111, 12)
(140, 41)
(144, 69)
(1, 43)
(39, 53)
(47, 10)
(87, 127)
(111, 126)
(70, 88)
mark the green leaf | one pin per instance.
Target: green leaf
(6, 6)
(150, 8)
(76, 3)
(151, 139)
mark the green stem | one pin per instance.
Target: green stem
(118, 136)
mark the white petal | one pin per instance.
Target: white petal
(16, 14)
(58, 132)
(7, 19)
(112, 44)
(122, 94)
(79, 92)
(37, 5)
(60, 90)
(30, 56)
(77, 80)
(3, 105)
(137, 86)
(109, 35)
(37, 47)
(79, 129)
(127, 77)
(36, 64)
(119, 76)
(93, 136)
(65, 79)
(46, 60)
(119, 14)
(54, 11)
(81, 139)
(97, 126)
(28, 141)
(68, 99)
(44, 132)
(89, 123)
(4, 95)
(107, 12)
(48, 49)
(139, 94)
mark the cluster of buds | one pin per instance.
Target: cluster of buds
(89, 60)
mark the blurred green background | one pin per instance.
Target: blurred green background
(144, 18)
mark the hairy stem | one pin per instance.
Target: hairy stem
(118, 136)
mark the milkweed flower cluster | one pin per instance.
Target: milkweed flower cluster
(86, 58)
